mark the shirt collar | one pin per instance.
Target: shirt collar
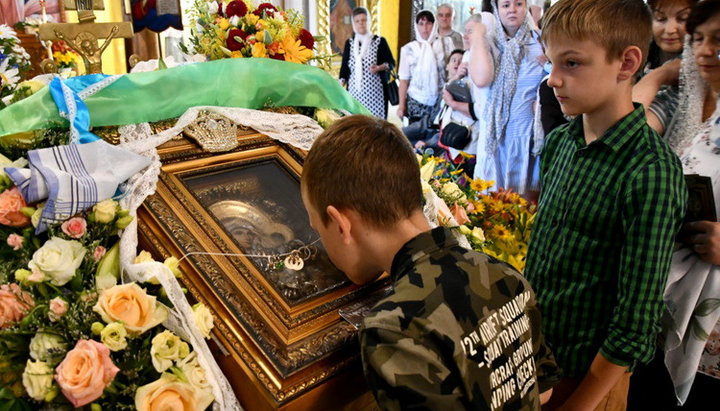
(616, 136)
(420, 246)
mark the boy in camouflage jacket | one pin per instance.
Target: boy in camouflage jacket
(459, 329)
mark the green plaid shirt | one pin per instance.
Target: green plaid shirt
(600, 249)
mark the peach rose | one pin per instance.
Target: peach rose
(14, 304)
(15, 241)
(85, 372)
(11, 202)
(169, 393)
(459, 213)
(131, 305)
(74, 227)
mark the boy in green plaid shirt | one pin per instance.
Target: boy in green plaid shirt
(613, 199)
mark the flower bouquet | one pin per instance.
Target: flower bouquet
(64, 56)
(239, 29)
(73, 335)
(14, 60)
(496, 223)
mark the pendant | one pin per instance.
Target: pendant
(294, 262)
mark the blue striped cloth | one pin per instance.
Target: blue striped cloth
(74, 177)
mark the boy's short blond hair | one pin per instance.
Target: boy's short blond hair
(613, 24)
(365, 164)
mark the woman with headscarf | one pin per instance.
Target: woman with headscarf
(365, 63)
(691, 317)
(422, 71)
(506, 151)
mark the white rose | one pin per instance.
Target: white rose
(105, 211)
(58, 259)
(478, 234)
(234, 20)
(194, 372)
(167, 347)
(203, 318)
(48, 347)
(113, 336)
(453, 191)
(212, 7)
(37, 379)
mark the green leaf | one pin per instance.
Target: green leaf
(697, 330)
(8, 402)
(706, 307)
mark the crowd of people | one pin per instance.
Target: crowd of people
(606, 114)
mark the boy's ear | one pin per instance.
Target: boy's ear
(631, 59)
(342, 222)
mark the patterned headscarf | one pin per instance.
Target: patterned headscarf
(512, 51)
(687, 120)
(360, 46)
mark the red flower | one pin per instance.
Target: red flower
(268, 8)
(236, 8)
(234, 45)
(278, 56)
(306, 39)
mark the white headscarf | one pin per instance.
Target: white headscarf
(361, 43)
(425, 73)
(512, 52)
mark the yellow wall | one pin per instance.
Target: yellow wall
(113, 58)
(389, 16)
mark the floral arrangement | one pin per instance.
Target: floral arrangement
(63, 55)
(14, 60)
(496, 223)
(239, 29)
(71, 335)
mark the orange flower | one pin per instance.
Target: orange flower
(294, 51)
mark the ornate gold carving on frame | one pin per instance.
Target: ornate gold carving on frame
(286, 349)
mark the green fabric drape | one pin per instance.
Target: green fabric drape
(153, 96)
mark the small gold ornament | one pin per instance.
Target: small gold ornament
(214, 133)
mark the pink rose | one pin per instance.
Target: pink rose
(85, 372)
(459, 213)
(58, 308)
(14, 304)
(15, 241)
(99, 253)
(74, 227)
(11, 202)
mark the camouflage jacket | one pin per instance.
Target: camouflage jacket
(459, 330)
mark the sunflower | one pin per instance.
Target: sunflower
(481, 185)
(294, 51)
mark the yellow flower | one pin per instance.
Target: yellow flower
(260, 24)
(236, 54)
(481, 185)
(260, 36)
(224, 23)
(502, 233)
(294, 51)
(251, 19)
(479, 207)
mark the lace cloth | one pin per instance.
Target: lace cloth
(687, 120)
